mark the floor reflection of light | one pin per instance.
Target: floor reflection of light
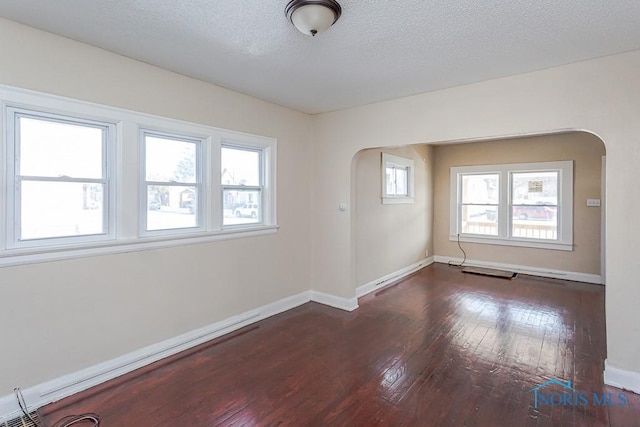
(516, 313)
(495, 330)
(247, 418)
(392, 380)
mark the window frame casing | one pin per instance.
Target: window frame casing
(201, 196)
(397, 162)
(260, 188)
(12, 215)
(268, 164)
(125, 223)
(565, 204)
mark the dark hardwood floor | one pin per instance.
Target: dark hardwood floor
(441, 348)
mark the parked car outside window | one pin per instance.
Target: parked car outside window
(247, 210)
(533, 212)
(523, 212)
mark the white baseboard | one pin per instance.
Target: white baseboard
(59, 388)
(374, 285)
(347, 304)
(533, 271)
(621, 378)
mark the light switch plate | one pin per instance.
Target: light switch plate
(593, 202)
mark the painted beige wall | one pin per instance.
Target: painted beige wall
(392, 237)
(68, 315)
(600, 96)
(90, 310)
(586, 150)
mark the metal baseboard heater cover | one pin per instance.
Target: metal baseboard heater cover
(493, 272)
(21, 421)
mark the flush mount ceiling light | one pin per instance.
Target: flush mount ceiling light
(312, 17)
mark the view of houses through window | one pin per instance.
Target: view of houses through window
(241, 185)
(78, 174)
(523, 202)
(171, 180)
(534, 205)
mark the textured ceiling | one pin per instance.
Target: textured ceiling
(378, 50)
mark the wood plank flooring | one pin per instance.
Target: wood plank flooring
(440, 348)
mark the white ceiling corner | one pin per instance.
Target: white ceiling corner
(378, 50)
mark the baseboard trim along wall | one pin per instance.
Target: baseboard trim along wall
(621, 378)
(346, 304)
(374, 285)
(59, 388)
(533, 271)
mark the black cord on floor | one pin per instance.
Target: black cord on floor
(452, 264)
(23, 406)
(64, 422)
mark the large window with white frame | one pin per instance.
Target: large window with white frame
(172, 185)
(242, 184)
(527, 204)
(59, 179)
(82, 178)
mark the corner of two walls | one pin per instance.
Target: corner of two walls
(70, 315)
(390, 237)
(219, 284)
(586, 151)
(599, 95)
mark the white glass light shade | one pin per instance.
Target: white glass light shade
(313, 19)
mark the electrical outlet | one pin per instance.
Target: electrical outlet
(593, 202)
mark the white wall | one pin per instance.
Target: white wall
(598, 95)
(61, 317)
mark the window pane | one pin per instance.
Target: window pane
(401, 182)
(391, 182)
(170, 207)
(481, 189)
(534, 205)
(60, 209)
(54, 149)
(242, 207)
(170, 160)
(240, 167)
(480, 219)
(535, 222)
(535, 188)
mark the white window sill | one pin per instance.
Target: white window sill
(536, 244)
(14, 257)
(396, 200)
